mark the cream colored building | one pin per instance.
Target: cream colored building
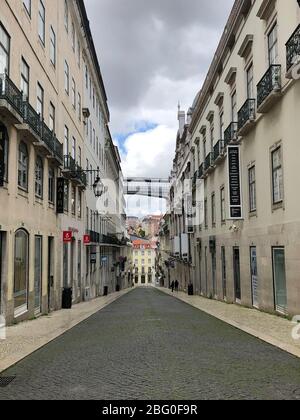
(143, 259)
(43, 152)
(250, 98)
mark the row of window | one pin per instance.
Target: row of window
(250, 91)
(277, 189)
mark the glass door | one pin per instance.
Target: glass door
(237, 274)
(38, 274)
(279, 274)
(224, 285)
(254, 276)
(214, 269)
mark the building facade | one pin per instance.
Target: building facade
(45, 193)
(244, 247)
(143, 258)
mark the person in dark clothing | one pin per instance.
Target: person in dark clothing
(176, 285)
(172, 286)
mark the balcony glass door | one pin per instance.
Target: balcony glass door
(279, 274)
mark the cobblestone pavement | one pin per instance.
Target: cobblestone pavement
(148, 345)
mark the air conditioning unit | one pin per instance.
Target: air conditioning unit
(87, 294)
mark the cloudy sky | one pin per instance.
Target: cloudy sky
(153, 54)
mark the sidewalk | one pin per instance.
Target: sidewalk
(269, 328)
(27, 337)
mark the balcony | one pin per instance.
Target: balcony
(95, 237)
(230, 134)
(110, 240)
(219, 151)
(293, 53)
(209, 163)
(269, 89)
(246, 117)
(11, 100)
(74, 172)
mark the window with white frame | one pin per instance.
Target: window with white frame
(27, 5)
(51, 185)
(252, 189)
(40, 101)
(234, 110)
(66, 16)
(52, 46)
(67, 78)
(250, 82)
(73, 93)
(277, 176)
(23, 166)
(223, 205)
(39, 178)
(52, 117)
(4, 51)
(41, 22)
(25, 72)
(273, 45)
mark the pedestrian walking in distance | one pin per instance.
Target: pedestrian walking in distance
(172, 286)
(176, 285)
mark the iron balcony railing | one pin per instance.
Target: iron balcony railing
(94, 236)
(230, 134)
(293, 49)
(32, 118)
(219, 149)
(270, 82)
(58, 150)
(209, 161)
(11, 93)
(81, 175)
(246, 113)
(110, 240)
(14, 97)
(69, 163)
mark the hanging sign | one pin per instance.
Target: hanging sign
(86, 239)
(235, 185)
(60, 195)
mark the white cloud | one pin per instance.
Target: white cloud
(149, 154)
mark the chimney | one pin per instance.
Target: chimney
(181, 119)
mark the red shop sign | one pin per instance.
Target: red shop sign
(86, 239)
(67, 236)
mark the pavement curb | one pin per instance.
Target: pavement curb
(288, 348)
(10, 361)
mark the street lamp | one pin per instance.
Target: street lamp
(98, 187)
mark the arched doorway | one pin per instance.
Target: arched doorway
(21, 265)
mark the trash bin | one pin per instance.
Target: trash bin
(105, 293)
(117, 288)
(67, 298)
(191, 290)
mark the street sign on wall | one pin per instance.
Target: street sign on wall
(234, 183)
(67, 236)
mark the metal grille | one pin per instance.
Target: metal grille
(6, 380)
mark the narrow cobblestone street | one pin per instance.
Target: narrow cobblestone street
(148, 345)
